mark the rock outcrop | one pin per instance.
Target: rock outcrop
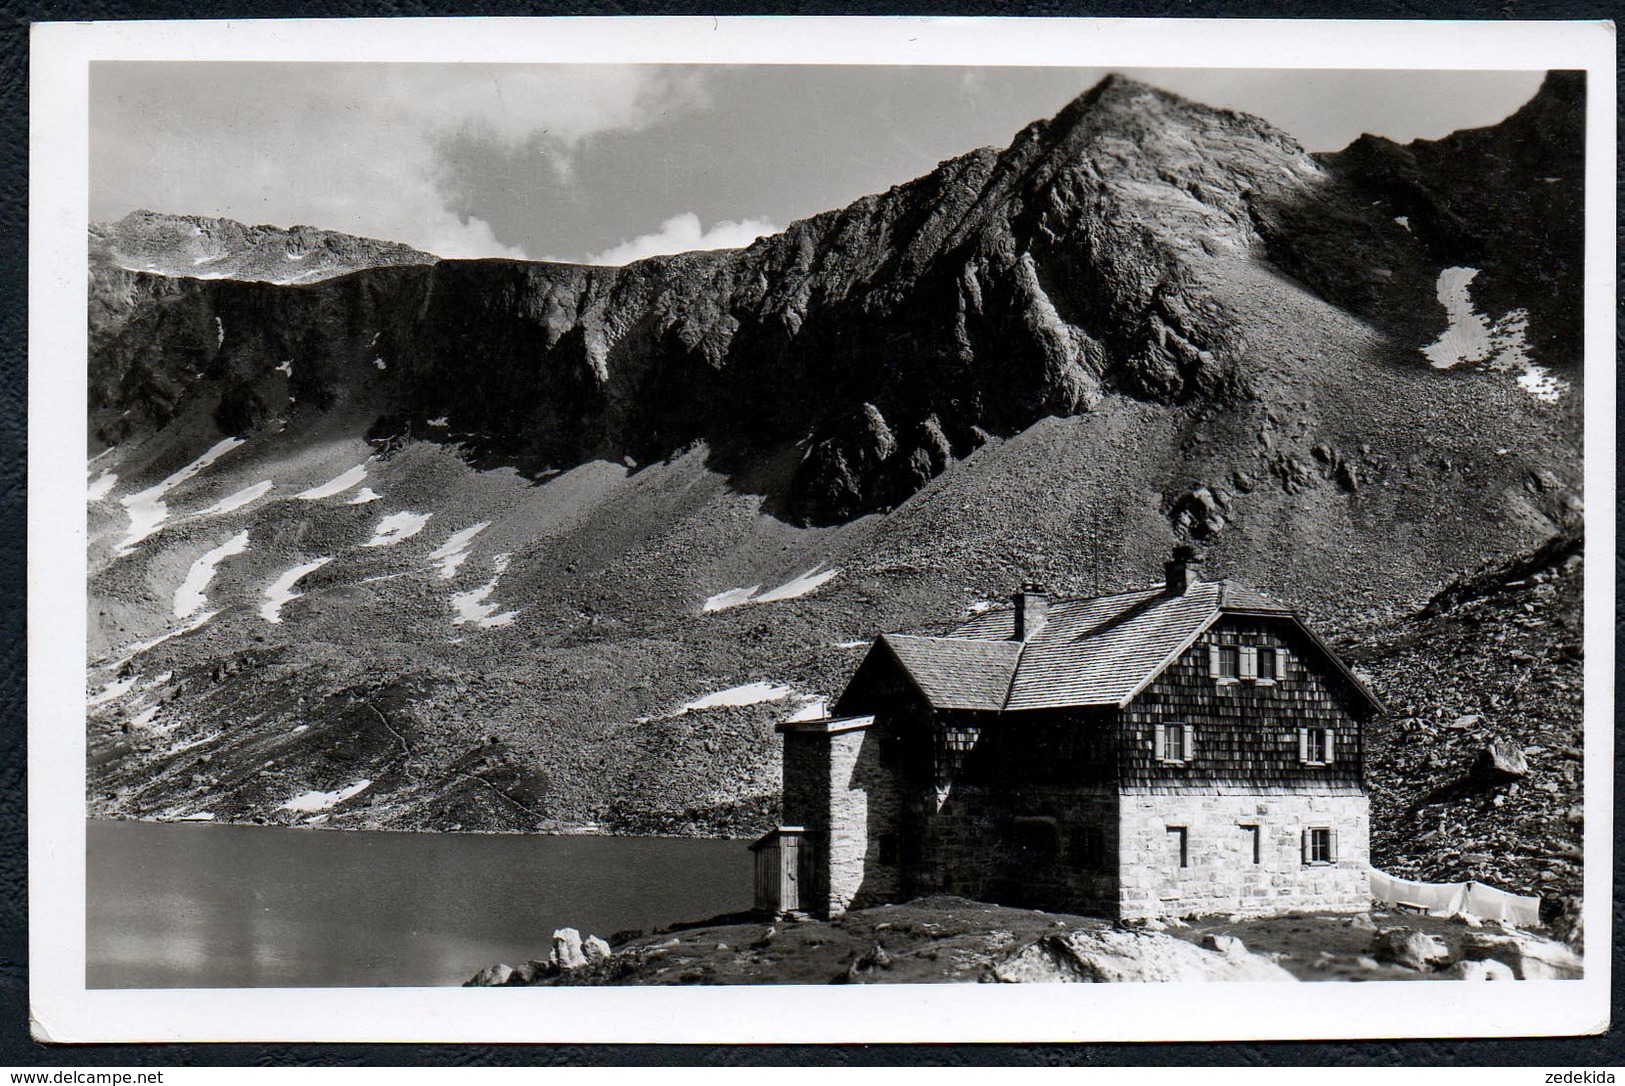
(1114, 955)
(1528, 957)
(570, 952)
(1412, 949)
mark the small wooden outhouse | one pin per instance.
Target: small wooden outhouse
(781, 869)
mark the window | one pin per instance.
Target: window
(1224, 662)
(1174, 744)
(1180, 840)
(1245, 664)
(1317, 746)
(1319, 845)
(1252, 843)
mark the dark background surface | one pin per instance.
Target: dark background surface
(18, 1049)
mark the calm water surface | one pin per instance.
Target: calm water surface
(200, 906)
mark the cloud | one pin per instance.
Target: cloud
(682, 234)
(366, 149)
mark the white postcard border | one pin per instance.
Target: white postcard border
(63, 1010)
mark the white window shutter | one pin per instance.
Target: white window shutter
(1303, 745)
(1281, 661)
(1335, 855)
(1190, 741)
(1331, 746)
(1307, 853)
(1214, 664)
(1159, 742)
(1249, 662)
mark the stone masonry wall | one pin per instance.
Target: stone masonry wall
(1220, 876)
(865, 813)
(1026, 846)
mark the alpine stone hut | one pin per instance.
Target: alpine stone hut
(1184, 749)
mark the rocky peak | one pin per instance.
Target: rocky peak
(202, 246)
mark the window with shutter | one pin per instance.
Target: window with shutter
(1174, 743)
(1229, 663)
(1317, 845)
(1330, 744)
(1313, 744)
(1264, 662)
(1249, 663)
(1214, 669)
(1282, 662)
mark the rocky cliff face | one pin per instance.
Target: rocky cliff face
(518, 545)
(1099, 252)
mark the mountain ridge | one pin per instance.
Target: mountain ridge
(1049, 279)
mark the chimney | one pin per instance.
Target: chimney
(1032, 611)
(1179, 570)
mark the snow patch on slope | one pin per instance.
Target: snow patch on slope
(472, 608)
(101, 486)
(336, 485)
(454, 551)
(1542, 383)
(281, 592)
(238, 500)
(189, 597)
(147, 509)
(1502, 345)
(1467, 338)
(803, 585)
(324, 801)
(808, 706)
(748, 694)
(363, 496)
(396, 527)
(111, 692)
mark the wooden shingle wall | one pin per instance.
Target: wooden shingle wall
(1246, 733)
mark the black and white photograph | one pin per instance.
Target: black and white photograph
(796, 526)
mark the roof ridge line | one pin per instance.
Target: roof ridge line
(950, 637)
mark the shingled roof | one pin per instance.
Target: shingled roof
(1099, 651)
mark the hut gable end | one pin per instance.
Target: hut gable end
(1248, 688)
(880, 685)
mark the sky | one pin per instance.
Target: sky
(609, 163)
